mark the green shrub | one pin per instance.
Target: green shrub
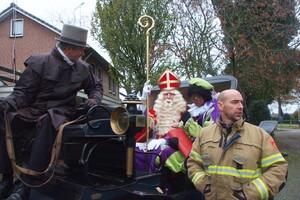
(286, 117)
(258, 111)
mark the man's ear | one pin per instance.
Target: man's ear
(220, 105)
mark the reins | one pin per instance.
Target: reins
(54, 154)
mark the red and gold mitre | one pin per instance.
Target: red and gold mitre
(168, 81)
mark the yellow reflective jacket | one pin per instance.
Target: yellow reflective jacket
(246, 159)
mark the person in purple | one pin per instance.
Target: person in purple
(204, 110)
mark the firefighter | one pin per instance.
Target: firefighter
(43, 99)
(233, 159)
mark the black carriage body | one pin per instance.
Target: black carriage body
(94, 149)
(97, 163)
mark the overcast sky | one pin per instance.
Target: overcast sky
(49, 9)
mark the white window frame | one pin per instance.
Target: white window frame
(16, 27)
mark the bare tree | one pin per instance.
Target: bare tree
(197, 38)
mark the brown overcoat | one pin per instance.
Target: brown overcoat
(50, 85)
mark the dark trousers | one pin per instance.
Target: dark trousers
(44, 134)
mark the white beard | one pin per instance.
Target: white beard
(168, 112)
(167, 118)
(168, 103)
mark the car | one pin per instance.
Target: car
(269, 126)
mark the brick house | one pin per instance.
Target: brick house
(23, 34)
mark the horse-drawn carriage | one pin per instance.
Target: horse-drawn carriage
(97, 158)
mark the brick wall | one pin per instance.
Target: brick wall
(36, 39)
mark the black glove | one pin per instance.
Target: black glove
(89, 103)
(4, 106)
(185, 117)
(173, 143)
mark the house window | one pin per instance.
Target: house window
(112, 86)
(97, 71)
(16, 27)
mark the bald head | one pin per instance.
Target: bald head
(230, 103)
(224, 95)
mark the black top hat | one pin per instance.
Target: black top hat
(73, 35)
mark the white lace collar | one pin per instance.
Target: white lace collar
(196, 110)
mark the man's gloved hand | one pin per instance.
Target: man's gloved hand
(146, 90)
(173, 143)
(155, 143)
(4, 106)
(89, 103)
(185, 117)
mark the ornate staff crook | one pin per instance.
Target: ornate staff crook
(145, 19)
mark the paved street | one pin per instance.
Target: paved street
(288, 141)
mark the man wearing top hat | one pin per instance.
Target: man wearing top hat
(43, 99)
